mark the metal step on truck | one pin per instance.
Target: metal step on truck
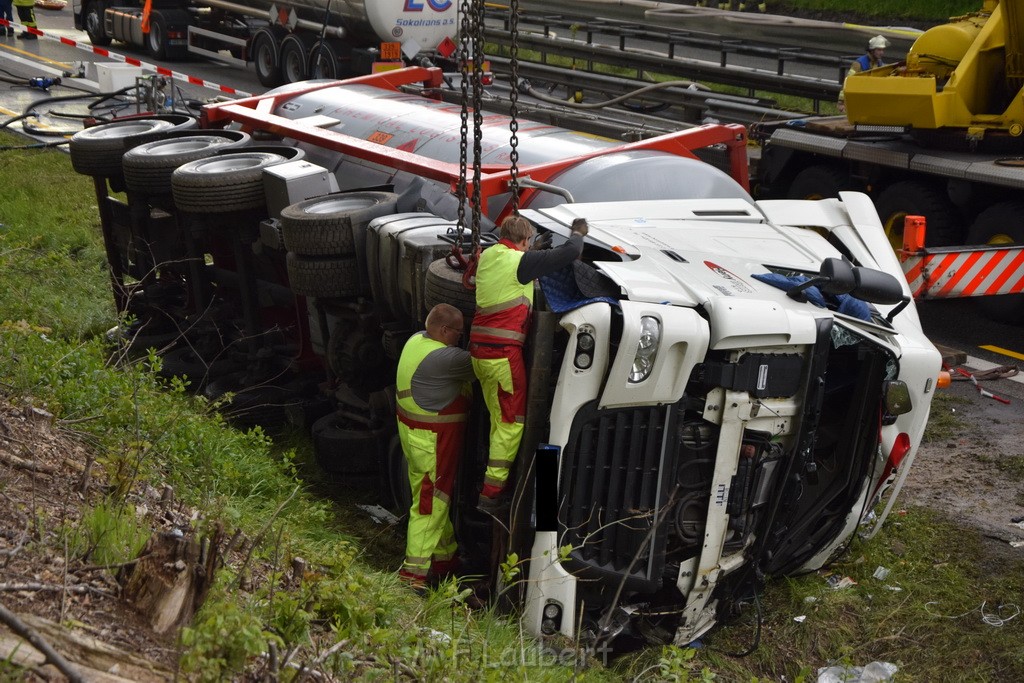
(721, 390)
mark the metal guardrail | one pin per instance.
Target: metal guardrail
(659, 110)
(640, 60)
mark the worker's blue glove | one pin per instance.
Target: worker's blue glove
(541, 241)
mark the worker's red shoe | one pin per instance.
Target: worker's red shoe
(417, 583)
(441, 570)
(493, 500)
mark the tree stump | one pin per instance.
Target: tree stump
(171, 579)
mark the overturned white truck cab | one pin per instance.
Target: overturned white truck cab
(728, 394)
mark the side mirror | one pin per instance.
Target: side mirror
(897, 398)
(840, 276)
(875, 286)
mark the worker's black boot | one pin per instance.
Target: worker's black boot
(27, 36)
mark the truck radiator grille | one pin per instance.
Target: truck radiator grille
(615, 477)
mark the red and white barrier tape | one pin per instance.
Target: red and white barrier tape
(103, 52)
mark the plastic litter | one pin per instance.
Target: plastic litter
(881, 573)
(837, 582)
(379, 514)
(875, 672)
(800, 619)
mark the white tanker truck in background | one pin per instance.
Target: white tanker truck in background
(287, 40)
(720, 390)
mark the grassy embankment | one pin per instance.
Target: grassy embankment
(54, 306)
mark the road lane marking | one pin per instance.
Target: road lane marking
(1003, 352)
(34, 57)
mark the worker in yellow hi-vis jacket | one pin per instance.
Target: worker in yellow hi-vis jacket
(433, 391)
(27, 16)
(504, 299)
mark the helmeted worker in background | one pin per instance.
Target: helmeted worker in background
(434, 395)
(871, 59)
(504, 300)
(27, 16)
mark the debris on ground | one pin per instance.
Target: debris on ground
(875, 672)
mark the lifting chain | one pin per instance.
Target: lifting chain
(471, 72)
(513, 107)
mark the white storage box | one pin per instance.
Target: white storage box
(113, 76)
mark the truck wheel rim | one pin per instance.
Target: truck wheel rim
(341, 204)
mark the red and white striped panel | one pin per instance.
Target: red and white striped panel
(946, 274)
(103, 52)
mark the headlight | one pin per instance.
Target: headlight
(584, 347)
(646, 349)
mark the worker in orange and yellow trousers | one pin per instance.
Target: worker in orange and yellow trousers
(504, 300)
(27, 17)
(434, 396)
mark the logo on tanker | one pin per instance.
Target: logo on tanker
(436, 5)
(439, 6)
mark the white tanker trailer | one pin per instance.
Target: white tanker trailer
(287, 40)
(720, 391)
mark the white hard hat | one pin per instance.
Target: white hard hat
(878, 43)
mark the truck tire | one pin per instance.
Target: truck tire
(92, 22)
(444, 286)
(294, 59)
(327, 278)
(398, 478)
(222, 183)
(343, 450)
(822, 181)
(148, 167)
(325, 60)
(266, 57)
(915, 198)
(327, 226)
(97, 151)
(999, 225)
(156, 39)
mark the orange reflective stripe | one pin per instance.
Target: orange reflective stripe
(497, 332)
(407, 417)
(498, 308)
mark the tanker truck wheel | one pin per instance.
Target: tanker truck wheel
(325, 60)
(332, 225)
(821, 181)
(915, 198)
(444, 286)
(92, 22)
(294, 58)
(148, 167)
(327, 278)
(266, 57)
(156, 39)
(97, 151)
(218, 184)
(999, 226)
